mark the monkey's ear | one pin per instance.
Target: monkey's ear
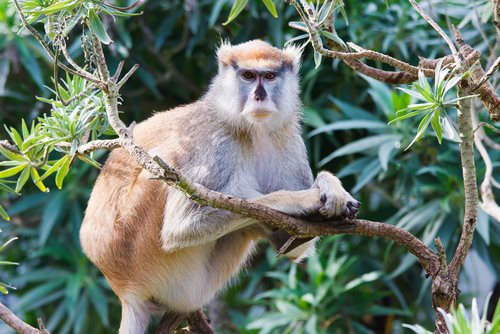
(224, 53)
(293, 53)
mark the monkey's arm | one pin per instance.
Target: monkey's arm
(186, 224)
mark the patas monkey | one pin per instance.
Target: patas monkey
(158, 250)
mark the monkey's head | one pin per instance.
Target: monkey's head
(257, 84)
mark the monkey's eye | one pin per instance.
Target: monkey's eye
(270, 76)
(247, 75)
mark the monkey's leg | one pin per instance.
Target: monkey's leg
(199, 323)
(135, 318)
(169, 322)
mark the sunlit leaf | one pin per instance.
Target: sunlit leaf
(270, 7)
(238, 6)
(21, 181)
(63, 171)
(12, 171)
(36, 179)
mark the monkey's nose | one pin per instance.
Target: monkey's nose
(260, 94)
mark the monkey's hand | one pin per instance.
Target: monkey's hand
(336, 201)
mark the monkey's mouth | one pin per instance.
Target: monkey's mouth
(261, 113)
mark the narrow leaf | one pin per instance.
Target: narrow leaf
(12, 171)
(317, 59)
(270, 7)
(36, 179)
(436, 125)
(62, 172)
(405, 116)
(4, 214)
(238, 6)
(98, 28)
(21, 181)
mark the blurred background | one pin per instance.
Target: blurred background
(353, 284)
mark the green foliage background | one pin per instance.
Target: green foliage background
(352, 284)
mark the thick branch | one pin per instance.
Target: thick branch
(486, 92)
(107, 144)
(17, 324)
(469, 174)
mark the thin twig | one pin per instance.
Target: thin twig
(79, 70)
(118, 72)
(40, 39)
(488, 74)
(488, 203)
(8, 146)
(17, 324)
(362, 53)
(440, 31)
(127, 76)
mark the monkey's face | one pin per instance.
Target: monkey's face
(257, 85)
(259, 90)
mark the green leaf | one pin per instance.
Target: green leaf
(98, 299)
(12, 171)
(333, 36)
(4, 214)
(63, 171)
(369, 173)
(270, 7)
(52, 215)
(98, 28)
(412, 93)
(54, 8)
(365, 278)
(16, 137)
(24, 129)
(21, 181)
(52, 169)
(30, 62)
(238, 6)
(427, 94)
(384, 153)
(405, 116)
(360, 145)
(11, 155)
(436, 125)
(424, 123)
(347, 125)
(36, 179)
(317, 59)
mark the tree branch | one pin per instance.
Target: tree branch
(488, 203)
(17, 324)
(469, 175)
(106, 144)
(488, 74)
(362, 53)
(486, 92)
(440, 31)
